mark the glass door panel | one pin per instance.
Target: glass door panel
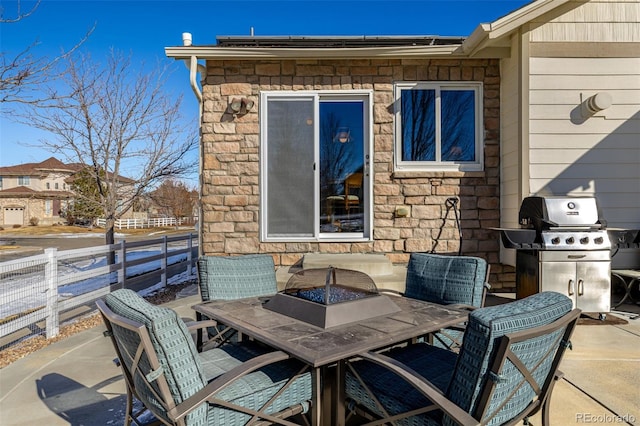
(342, 166)
(290, 163)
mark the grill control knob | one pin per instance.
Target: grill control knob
(555, 240)
(584, 240)
(598, 240)
(569, 240)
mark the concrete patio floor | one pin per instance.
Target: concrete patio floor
(74, 381)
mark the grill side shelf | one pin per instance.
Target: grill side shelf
(519, 238)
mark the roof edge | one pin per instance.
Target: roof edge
(217, 52)
(508, 23)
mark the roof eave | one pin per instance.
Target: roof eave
(217, 52)
(489, 35)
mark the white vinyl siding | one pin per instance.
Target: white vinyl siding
(602, 21)
(596, 155)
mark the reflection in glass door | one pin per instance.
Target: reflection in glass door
(342, 174)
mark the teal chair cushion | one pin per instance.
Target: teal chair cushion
(446, 279)
(484, 328)
(173, 345)
(461, 376)
(236, 277)
(187, 371)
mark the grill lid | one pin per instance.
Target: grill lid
(572, 213)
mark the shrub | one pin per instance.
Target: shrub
(17, 226)
(34, 221)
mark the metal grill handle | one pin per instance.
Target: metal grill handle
(571, 291)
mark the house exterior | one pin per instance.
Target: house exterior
(37, 193)
(34, 192)
(444, 136)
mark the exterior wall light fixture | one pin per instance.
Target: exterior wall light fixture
(241, 106)
(596, 103)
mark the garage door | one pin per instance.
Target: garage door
(14, 216)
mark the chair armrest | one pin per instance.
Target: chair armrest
(462, 306)
(207, 393)
(391, 292)
(423, 386)
(197, 325)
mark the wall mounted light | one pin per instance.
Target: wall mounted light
(241, 106)
(596, 103)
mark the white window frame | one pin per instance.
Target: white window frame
(317, 96)
(438, 165)
(24, 180)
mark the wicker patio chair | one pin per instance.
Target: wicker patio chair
(233, 277)
(504, 372)
(229, 385)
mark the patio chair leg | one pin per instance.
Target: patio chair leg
(129, 412)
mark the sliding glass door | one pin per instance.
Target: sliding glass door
(315, 165)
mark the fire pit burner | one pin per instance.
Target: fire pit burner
(330, 297)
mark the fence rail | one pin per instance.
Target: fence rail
(147, 223)
(35, 290)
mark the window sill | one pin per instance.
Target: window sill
(416, 174)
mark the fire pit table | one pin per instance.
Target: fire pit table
(327, 297)
(325, 349)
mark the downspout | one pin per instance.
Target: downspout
(194, 68)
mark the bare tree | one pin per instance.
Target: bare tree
(175, 199)
(118, 123)
(23, 74)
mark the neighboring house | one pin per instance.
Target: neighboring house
(37, 192)
(434, 128)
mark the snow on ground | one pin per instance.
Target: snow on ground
(30, 284)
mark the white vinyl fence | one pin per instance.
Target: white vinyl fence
(147, 223)
(35, 290)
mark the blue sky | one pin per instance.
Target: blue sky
(145, 27)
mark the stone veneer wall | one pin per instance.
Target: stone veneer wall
(230, 193)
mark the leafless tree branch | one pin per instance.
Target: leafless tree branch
(22, 74)
(117, 118)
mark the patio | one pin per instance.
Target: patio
(75, 382)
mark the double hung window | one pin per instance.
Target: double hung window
(438, 126)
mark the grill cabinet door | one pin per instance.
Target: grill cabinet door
(559, 277)
(594, 286)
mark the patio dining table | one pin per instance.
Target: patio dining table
(326, 349)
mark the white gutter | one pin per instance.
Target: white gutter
(194, 68)
(217, 52)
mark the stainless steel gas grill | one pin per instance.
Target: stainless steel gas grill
(563, 246)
